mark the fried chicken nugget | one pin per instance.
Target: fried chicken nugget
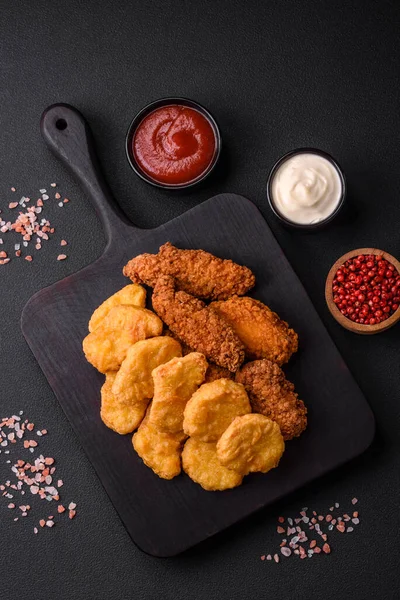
(132, 295)
(251, 443)
(133, 381)
(119, 417)
(272, 395)
(200, 462)
(212, 409)
(262, 332)
(197, 325)
(106, 347)
(174, 384)
(213, 371)
(196, 272)
(159, 450)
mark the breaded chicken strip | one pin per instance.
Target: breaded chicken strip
(262, 332)
(272, 395)
(197, 325)
(213, 372)
(196, 272)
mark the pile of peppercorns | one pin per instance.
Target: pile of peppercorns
(366, 289)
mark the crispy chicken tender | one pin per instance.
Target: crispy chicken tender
(262, 332)
(251, 443)
(213, 371)
(196, 272)
(272, 395)
(132, 295)
(159, 450)
(107, 346)
(134, 382)
(212, 409)
(197, 325)
(120, 417)
(200, 462)
(174, 384)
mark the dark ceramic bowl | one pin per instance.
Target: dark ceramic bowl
(150, 108)
(282, 218)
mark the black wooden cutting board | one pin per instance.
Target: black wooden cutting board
(166, 517)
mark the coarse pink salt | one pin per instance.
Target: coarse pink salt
(280, 530)
(61, 257)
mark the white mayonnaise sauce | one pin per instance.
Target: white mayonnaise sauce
(306, 188)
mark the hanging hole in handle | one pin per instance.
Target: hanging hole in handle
(61, 124)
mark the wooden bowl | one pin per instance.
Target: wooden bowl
(335, 312)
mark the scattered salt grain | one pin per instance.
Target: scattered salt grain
(35, 475)
(293, 546)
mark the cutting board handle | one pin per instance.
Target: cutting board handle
(68, 135)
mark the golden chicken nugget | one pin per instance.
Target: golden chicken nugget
(262, 332)
(106, 347)
(212, 409)
(133, 381)
(159, 450)
(132, 295)
(174, 384)
(200, 462)
(120, 417)
(251, 443)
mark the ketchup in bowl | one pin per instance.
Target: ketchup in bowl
(174, 145)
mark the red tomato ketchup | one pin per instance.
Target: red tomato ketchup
(174, 144)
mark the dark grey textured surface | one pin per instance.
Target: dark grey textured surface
(276, 76)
